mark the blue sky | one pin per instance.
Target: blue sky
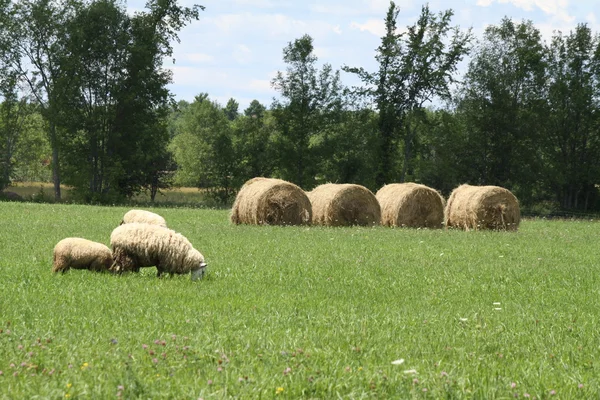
(235, 49)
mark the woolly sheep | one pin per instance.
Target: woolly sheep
(78, 253)
(142, 216)
(137, 245)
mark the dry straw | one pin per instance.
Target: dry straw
(265, 201)
(411, 205)
(344, 205)
(482, 207)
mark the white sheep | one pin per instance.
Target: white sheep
(144, 217)
(78, 253)
(137, 245)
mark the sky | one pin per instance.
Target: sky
(236, 48)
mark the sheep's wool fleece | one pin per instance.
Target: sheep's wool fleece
(152, 245)
(81, 253)
(144, 217)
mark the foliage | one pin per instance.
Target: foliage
(204, 149)
(503, 104)
(415, 67)
(317, 312)
(311, 103)
(573, 140)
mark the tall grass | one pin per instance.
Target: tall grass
(302, 312)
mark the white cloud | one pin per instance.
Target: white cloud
(556, 8)
(199, 58)
(374, 26)
(242, 54)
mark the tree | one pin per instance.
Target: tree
(311, 102)
(573, 145)
(253, 142)
(204, 150)
(415, 67)
(13, 115)
(231, 109)
(32, 35)
(503, 104)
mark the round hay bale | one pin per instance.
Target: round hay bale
(482, 207)
(266, 201)
(410, 205)
(344, 205)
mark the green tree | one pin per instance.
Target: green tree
(503, 104)
(117, 129)
(204, 150)
(231, 109)
(415, 68)
(311, 101)
(32, 35)
(253, 142)
(13, 115)
(573, 141)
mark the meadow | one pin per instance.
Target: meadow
(302, 312)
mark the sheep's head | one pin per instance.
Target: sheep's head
(199, 272)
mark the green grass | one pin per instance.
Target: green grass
(315, 312)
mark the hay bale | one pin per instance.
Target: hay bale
(266, 201)
(344, 205)
(410, 205)
(482, 207)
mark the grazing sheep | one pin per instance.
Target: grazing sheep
(138, 245)
(81, 253)
(144, 217)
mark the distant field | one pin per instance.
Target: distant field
(299, 312)
(45, 190)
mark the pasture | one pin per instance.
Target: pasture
(302, 312)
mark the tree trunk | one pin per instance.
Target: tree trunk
(55, 162)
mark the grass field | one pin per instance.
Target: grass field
(298, 312)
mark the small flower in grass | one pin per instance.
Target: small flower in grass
(120, 387)
(173, 337)
(67, 395)
(20, 347)
(552, 392)
(210, 382)
(84, 366)
(287, 371)
(23, 364)
(155, 360)
(163, 343)
(12, 365)
(513, 385)
(240, 379)
(444, 373)
(157, 341)
(114, 341)
(360, 368)
(580, 386)
(219, 369)
(424, 389)
(15, 373)
(69, 385)
(415, 381)
(526, 395)
(144, 346)
(279, 390)
(70, 366)
(1, 373)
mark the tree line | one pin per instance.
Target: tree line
(524, 115)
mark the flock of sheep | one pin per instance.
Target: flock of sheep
(141, 240)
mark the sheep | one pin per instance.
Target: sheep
(138, 245)
(142, 216)
(78, 253)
